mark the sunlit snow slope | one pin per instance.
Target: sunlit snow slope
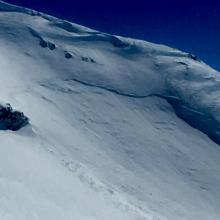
(119, 129)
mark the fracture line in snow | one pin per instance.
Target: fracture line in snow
(110, 89)
(195, 120)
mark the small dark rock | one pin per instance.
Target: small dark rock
(51, 46)
(88, 59)
(92, 61)
(68, 55)
(46, 44)
(194, 57)
(43, 43)
(85, 59)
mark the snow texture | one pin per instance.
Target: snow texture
(118, 128)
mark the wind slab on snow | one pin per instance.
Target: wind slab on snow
(119, 129)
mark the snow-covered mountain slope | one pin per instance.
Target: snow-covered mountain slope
(118, 128)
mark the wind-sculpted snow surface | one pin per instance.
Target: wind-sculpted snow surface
(119, 128)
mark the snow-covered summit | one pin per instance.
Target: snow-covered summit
(118, 128)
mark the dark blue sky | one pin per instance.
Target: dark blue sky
(192, 26)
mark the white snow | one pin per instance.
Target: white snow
(104, 142)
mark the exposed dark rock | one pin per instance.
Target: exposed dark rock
(88, 59)
(43, 43)
(68, 55)
(51, 46)
(92, 61)
(193, 57)
(11, 119)
(46, 44)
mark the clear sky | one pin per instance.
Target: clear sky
(192, 26)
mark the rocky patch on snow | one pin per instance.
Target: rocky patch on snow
(68, 55)
(47, 44)
(88, 59)
(11, 119)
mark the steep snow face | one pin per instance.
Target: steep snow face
(106, 139)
